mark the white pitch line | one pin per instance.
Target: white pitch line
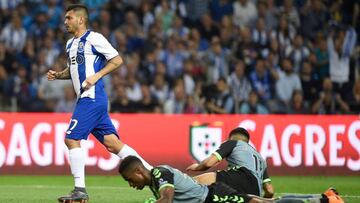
(128, 188)
(347, 196)
(62, 186)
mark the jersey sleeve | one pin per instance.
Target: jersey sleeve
(162, 178)
(102, 45)
(225, 149)
(266, 177)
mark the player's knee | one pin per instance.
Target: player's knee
(112, 149)
(113, 145)
(70, 143)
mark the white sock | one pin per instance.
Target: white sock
(77, 165)
(127, 151)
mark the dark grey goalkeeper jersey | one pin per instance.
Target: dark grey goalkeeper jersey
(186, 189)
(241, 154)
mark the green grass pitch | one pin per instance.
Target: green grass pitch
(112, 189)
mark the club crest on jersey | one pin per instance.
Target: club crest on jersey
(204, 140)
(81, 47)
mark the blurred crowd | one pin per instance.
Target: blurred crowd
(191, 56)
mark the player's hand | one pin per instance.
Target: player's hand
(90, 81)
(51, 75)
(192, 167)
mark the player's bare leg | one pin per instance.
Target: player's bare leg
(206, 178)
(77, 165)
(114, 145)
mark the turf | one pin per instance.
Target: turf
(111, 189)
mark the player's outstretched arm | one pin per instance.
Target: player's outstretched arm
(63, 75)
(111, 65)
(268, 190)
(207, 163)
(166, 195)
(267, 186)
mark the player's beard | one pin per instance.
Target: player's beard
(70, 29)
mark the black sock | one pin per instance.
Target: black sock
(81, 189)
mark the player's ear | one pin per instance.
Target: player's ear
(81, 19)
(137, 170)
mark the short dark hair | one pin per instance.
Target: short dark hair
(128, 163)
(78, 7)
(240, 131)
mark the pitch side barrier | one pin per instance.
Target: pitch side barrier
(32, 143)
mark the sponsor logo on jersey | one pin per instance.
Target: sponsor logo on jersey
(80, 59)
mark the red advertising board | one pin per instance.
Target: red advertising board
(32, 143)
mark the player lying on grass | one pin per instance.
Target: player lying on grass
(171, 185)
(247, 170)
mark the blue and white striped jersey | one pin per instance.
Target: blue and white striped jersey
(87, 55)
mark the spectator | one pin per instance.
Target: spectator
(172, 58)
(291, 13)
(18, 86)
(148, 17)
(134, 43)
(54, 11)
(309, 84)
(148, 67)
(121, 103)
(297, 52)
(208, 29)
(195, 9)
(262, 81)
(297, 104)
(7, 59)
(284, 33)
(68, 101)
(176, 104)
(3, 77)
(165, 15)
(245, 48)
(51, 51)
(200, 44)
(14, 35)
(38, 28)
(189, 81)
(354, 98)
(313, 19)
(339, 52)
(195, 102)
(223, 102)
(239, 84)
(49, 92)
(228, 32)
(272, 53)
(133, 89)
(260, 35)
(178, 28)
(322, 60)
(329, 102)
(287, 83)
(217, 61)
(148, 103)
(160, 88)
(244, 12)
(253, 106)
(220, 8)
(266, 13)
